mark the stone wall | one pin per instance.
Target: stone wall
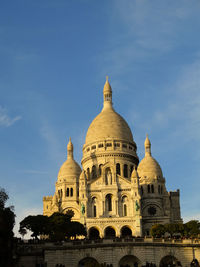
(115, 252)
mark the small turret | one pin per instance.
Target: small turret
(70, 149)
(107, 93)
(134, 174)
(147, 146)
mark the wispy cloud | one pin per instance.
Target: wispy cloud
(52, 140)
(5, 119)
(147, 30)
(33, 172)
(184, 104)
(177, 118)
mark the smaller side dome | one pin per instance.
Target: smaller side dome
(70, 169)
(149, 167)
(82, 176)
(134, 173)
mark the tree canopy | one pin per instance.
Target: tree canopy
(190, 229)
(57, 227)
(7, 221)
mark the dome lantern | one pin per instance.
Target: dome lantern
(70, 149)
(147, 146)
(107, 93)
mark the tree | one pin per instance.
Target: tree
(38, 225)
(192, 228)
(59, 224)
(61, 227)
(76, 229)
(57, 227)
(157, 230)
(7, 221)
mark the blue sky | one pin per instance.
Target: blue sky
(54, 57)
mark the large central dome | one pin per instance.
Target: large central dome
(108, 124)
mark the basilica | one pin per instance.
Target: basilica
(113, 194)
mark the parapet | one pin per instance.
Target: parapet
(47, 198)
(174, 193)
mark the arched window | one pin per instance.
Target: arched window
(95, 211)
(142, 191)
(67, 193)
(131, 169)
(124, 204)
(161, 190)
(88, 173)
(148, 188)
(152, 188)
(94, 172)
(109, 202)
(94, 207)
(158, 189)
(125, 170)
(100, 166)
(125, 210)
(118, 171)
(71, 192)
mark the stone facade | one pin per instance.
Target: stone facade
(113, 194)
(107, 252)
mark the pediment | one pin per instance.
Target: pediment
(123, 180)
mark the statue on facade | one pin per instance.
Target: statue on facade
(109, 177)
(82, 209)
(137, 206)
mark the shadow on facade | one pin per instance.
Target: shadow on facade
(88, 262)
(94, 233)
(129, 261)
(169, 261)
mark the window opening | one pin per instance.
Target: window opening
(118, 169)
(125, 170)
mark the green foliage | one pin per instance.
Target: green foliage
(157, 230)
(37, 224)
(190, 229)
(7, 221)
(3, 197)
(58, 226)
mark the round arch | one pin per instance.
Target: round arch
(94, 233)
(88, 262)
(194, 263)
(169, 261)
(126, 231)
(157, 209)
(109, 232)
(129, 261)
